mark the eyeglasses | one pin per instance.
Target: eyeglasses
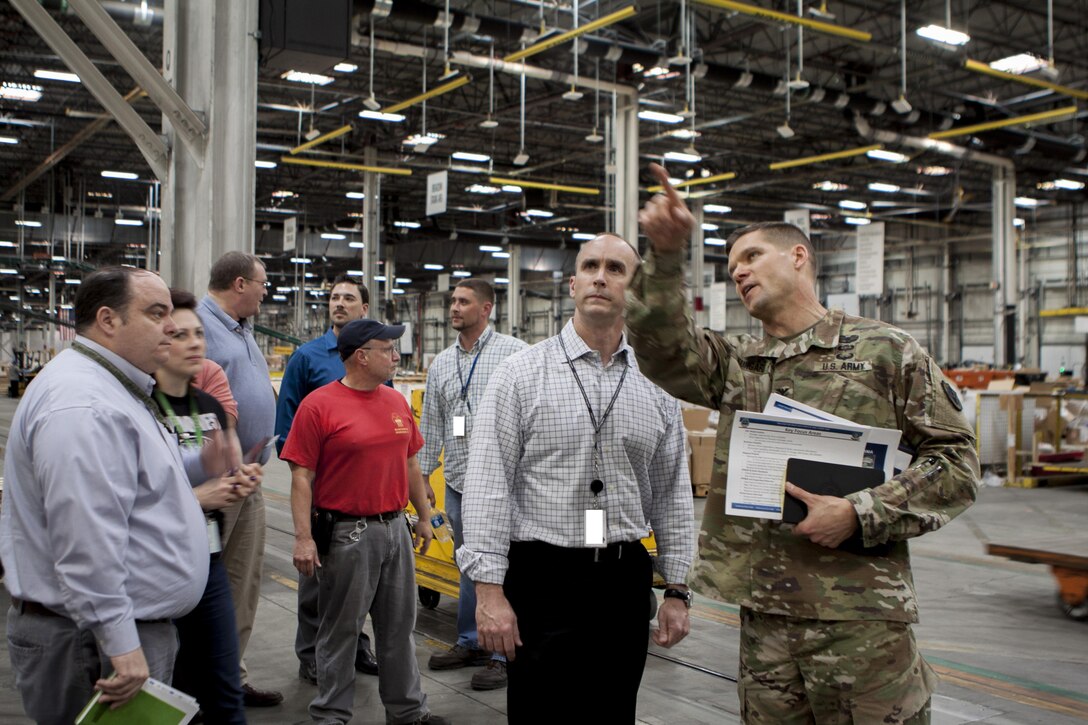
(264, 283)
(388, 350)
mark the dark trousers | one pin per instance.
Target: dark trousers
(591, 645)
(207, 664)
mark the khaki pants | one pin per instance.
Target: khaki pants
(801, 671)
(243, 555)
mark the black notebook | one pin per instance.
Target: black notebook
(831, 479)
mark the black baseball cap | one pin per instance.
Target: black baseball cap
(357, 333)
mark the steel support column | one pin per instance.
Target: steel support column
(1004, 266)
(372, 239)
(513, 291)
(698, 251)
(210, 57)
(624, 149)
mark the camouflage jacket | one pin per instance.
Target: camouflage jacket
(860, 369)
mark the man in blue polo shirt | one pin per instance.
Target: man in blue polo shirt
(316, 364)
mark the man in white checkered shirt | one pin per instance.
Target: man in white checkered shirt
(455, 385)
(572, 453)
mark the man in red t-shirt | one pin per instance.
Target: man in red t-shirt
(352, 450)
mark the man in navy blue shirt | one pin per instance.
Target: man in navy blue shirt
(314, 365)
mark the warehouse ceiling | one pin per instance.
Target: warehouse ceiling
(726, 78)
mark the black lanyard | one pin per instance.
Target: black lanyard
(597, 425)
(194, 415)
(125, 381)
(471, 370)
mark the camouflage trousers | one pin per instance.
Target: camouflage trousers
(802, 671)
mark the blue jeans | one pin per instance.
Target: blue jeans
(207, 664)
(466, 599)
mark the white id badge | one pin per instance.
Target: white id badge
(595, 525)
(215, 544)
(459, 426)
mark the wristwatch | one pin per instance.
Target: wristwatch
(684, 594)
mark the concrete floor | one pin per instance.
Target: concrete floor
(1004, 651)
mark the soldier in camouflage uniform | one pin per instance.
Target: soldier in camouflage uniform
(825, 634)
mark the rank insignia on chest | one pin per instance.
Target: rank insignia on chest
(756, 364)
(845, 366)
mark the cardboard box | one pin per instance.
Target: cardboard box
(702, 456)
(696, 419)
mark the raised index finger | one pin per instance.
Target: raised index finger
(663, 178)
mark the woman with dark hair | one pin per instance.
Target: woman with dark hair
(207, 663)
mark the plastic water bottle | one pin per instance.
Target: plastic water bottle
(439, 526)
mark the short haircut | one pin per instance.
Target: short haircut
(107, 287)
(230, 267)
(364, 293)
(182, 299)
(781, 235)
(480, 287)
(638, 257)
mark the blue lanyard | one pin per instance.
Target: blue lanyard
(471, 371)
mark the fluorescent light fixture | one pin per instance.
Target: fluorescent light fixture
(511, 189)
(9, 140)
(901, 105)
(482, 189)
(56, 75)
(858, 221)
(881, 186)
(333, 235)
(593, 136)
(717, 208)
(461, 273)
(851, 204)
(7, 244)
(264, 164)
(1068, 184)
(1018, 222)
(20, 92)
(583, 236)
(660, 117)
(277, 210)
(372, 104)
(521, 159)
(297, 76)
(1020, 63)
(685, 133)
(489, 122)
(423, 139)
(489, 248)
(943, 35)
(310, 275)
(7, 270)
(683, 157)
(356, 245)
(1024, 201)
(73, 281)
(934, 170)
(402, 280)
(379, 116)
(398, 291)
(573, 95)
(714, 242)
(301, 260)
(708, 227)
(885, 155)
(279, 298)
(355, 195)
(502, 280)
(542, 213)
(126, 175)
(467, 156)
(406, 225)
(434, 267)
(345, 67)
(785, 131)
(27, 223)
(829, 186)
(501, 255)
(377, 277)
(128, 222)
(673, 181)
(59, 258)
(285, 289)
(283, 194)
(657, 71)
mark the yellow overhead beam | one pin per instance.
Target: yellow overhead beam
(805, 161)
(817, 25)
(543, 185)
(322, 139)
(345, 166)
(977, 67)
(1064, 312)
(1056, 114)
(564, 37)
(697, 182)
(436, 91)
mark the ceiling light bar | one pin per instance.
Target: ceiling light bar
(297, 76)
(346, 166)
(345, 67)
(583, 236)
(322, 139)
(20, 91)
(489, 248)
(8, 140)
(978, 67)
(407, 225)
(355, 195)
(1068, 184)
(333, 236)
(817, 25)
(828, 185)
(436, 91)
(380, 116)
(56, 75)
(884, 155)
(128, 222)
(819, 158)
(852, 204)
(501, 255)
(941, 34)
(881, 186)
(717, 208)
(858, 221)
(696, 182)
(1056, 114)
(714, 241)
(542, 185)
(597, 24)
(461, 273)
(1023, 201)
(434, 267)
(27, 223)
(660, 117)
(683, 157)
(467, 156)
(1019, 63)
(126, 175)
(264, 164)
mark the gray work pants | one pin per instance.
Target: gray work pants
(56, 664)
(369, 568)
(306, 634)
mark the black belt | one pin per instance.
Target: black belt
(22, 606)
(339, 517)
(613, 552)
